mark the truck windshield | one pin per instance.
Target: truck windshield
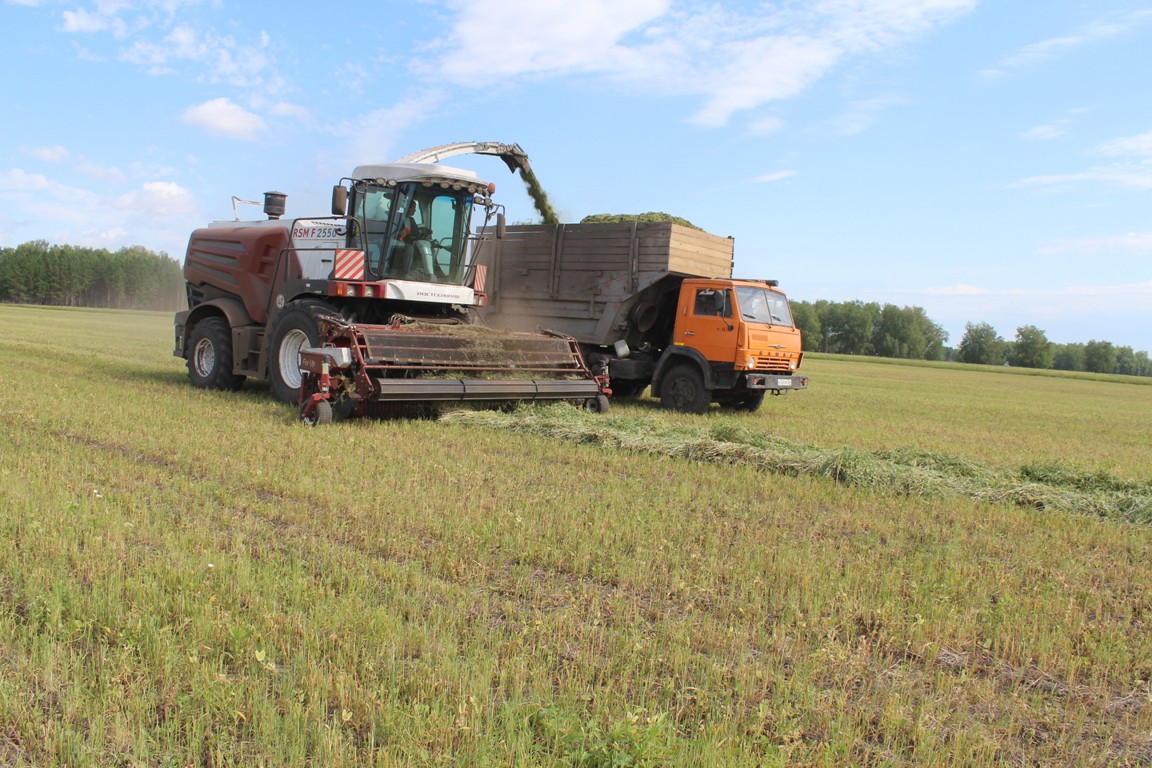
(760, 305)
(412, 232)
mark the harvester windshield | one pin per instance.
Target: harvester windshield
(411, 231)
(760, 305)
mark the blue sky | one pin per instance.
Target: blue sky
(989, 161)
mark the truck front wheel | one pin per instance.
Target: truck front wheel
(210, 355)
(750, 401)
(682, 389)
(296, 329)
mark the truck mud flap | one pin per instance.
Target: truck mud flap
(399, 390)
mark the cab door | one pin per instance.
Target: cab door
(705, 321)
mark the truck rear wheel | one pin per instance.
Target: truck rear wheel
(210, 355)
(296, 329)
(682, 389)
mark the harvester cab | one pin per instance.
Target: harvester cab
(408, 231)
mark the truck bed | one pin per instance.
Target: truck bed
(581, 279)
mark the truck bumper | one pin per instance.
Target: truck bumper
(773, 382)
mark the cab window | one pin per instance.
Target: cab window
(711, 302)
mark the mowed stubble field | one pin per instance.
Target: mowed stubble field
(193, 578)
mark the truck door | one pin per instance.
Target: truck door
(705, 322)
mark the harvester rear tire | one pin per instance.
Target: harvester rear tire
(210, 355)
(682, 389)
(295, 329)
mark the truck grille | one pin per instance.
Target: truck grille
(773, 365)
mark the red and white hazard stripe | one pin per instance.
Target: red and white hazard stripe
(349, 265)
(481, 276)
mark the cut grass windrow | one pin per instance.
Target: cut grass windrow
(907, 472)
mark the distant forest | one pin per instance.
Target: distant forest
(71, 276)
(137, 278)
(858, 328)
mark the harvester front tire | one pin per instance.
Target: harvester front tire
(682, 389)
(210, 356)
(321, 414)
(598, 404)
(295, 329)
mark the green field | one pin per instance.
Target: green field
(904, 565)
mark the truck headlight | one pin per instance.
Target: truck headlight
(751, 362)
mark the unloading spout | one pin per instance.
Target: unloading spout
(512, 154)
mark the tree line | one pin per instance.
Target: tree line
(859, 328)
(137, 278)
(72, 276)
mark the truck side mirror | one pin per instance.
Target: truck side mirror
(501, 226)
(339, 200)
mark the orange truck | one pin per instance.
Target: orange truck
(653, 304)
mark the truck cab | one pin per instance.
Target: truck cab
(732, 342)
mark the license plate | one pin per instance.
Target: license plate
(784, 382)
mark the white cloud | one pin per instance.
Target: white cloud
(221, 57)
(284, 109)
(112, 237)
(1131, 176)
(158, 198)
(58, 154)
(1133, 295)
(735, 60)
(1135, 174)
(545, 38)
(54, 154)
(373, 136)
(766, 126)
(85, 22)
(156, 213)
(1073, 312)
(956, 290)
(770, 177)
(93, 171)
(1054, 47)
(1131, 145)
(17, 180)
(25, 195)
(224, 117)
(1137, 242)
(1052, 130)
(862, 115)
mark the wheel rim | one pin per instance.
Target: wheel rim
(204, 358)
(290, 347)
(682, 392)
